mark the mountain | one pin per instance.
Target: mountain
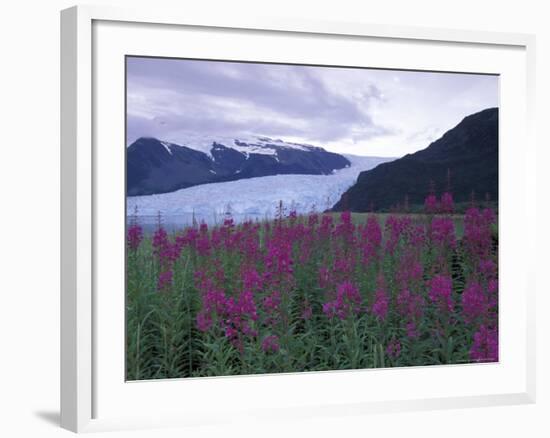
(155, 166)
(466, 157)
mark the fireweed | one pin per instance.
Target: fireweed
(313, 292)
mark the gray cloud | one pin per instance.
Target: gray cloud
(166, 96)
(361, 111)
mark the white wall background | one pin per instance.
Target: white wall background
(29, 215)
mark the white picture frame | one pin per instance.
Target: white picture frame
(86, 375)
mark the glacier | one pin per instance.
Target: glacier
(247, 199)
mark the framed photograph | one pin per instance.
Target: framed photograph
(259, 208)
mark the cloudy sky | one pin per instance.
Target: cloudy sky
(346, 110)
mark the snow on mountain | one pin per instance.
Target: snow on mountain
(167, 146)
(252, 198)
(246, 145)
(157, 166)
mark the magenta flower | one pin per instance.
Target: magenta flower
(431, 204)
(371, 237)
(134, 237)
(165, 280)
(474, 302)
(443, 232)
(412, 330)
(441, 287)
(477, 232)
(347, 302)
(312, 220)
(410, 270)
(160, 239)
(381, 301)
(270, 344)
(447, 204)
(488, 268)
(271, 305)
(204, 321)
(396, 228)
(326, 227)
(485, 345)
(410, 305)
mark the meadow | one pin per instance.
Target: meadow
(313, 292)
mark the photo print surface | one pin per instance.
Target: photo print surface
(291, 218)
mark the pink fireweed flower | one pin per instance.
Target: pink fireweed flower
(247, 306)
(393, 350)
(396, 228)
(345, 217)
(431, 204)
(272, 302)
(228, 222)
(488, 268)
(326, 227)
(344, 265)
(169, 253)
(474, 302)
(412, 331)
(251, 279)
(204, 321)
(278, 262)
(447, 204)
(231, 332)
(347, 302)
(160, 240)
(203, 245)
(410, 305)
(373, 231)
(329, 309)
(381, 300)
(477, 232)
(188, 238)
(441, 287)
(489, 216)
(371, 237)
(312, 220)
(345, 230)
(165, 280)
(248, 330)
(417, 236)
(410, 270)
(271, 305)
(443, 232)
(134, 237)
(270, 344)
(485, 345)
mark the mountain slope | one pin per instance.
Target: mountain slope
(468, 153)
(155, 166)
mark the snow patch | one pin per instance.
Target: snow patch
(166, 146)
(244, 144)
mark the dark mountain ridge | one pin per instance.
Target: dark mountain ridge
(154, 166)
(465, 158)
